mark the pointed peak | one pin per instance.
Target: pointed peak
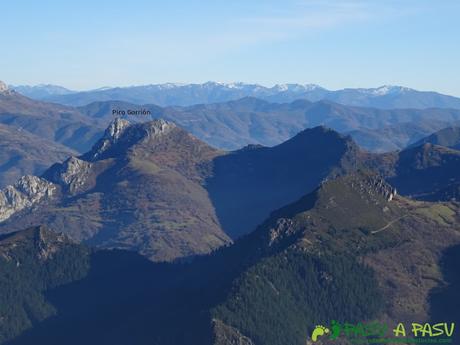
(448, 137)
(3, 86)
(4, 89)
(319, 131)
(116, 128)
(122, 133)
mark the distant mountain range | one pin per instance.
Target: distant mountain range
(229, 125)
(234, 124)
(170, 94)
(42, 91)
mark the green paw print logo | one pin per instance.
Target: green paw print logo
(318, 332)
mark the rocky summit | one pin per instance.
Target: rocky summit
(3, 87)
(123, 134)
(28, 191)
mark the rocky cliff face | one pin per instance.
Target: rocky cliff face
(29, 190)
(122, 134)
(71, 175)
(45, 243)
(226, 335)
(111, 135)
(3, 87)
(375, 185)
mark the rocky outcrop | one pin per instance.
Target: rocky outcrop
(3, 87)
(48, 242)
(116, 129)
(72, 174)
(374, 186)
(4, 90)
(111, 135)
(41, 242)
(283, 229)
(384, 189)
(122, 134)
(158, 127)
(227, 335)
(29, 190)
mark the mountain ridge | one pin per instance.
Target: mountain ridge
(154, 188)
(379, 259)
(448, 137)
(249, 120)
(170, 94)
(65, 125)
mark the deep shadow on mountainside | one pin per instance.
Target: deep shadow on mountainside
(426, 172)
(444, 301)
(248, 184)
(350, 251)
(153, 188)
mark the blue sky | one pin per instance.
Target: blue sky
(88, 44)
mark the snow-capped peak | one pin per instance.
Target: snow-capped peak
(385, 90)
(295, 87)
(167, 86)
